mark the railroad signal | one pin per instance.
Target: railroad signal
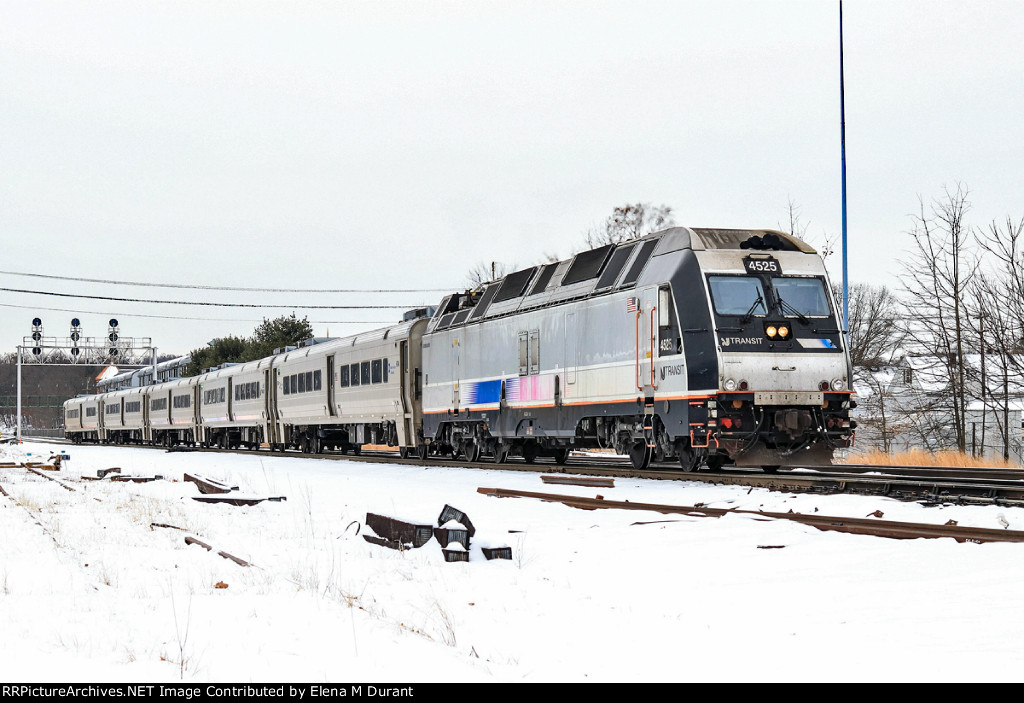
(112, 337)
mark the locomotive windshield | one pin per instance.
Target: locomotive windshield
(801, 296)
(738, 295)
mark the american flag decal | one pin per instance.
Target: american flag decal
(632, 304)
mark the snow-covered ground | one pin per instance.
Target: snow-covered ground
(90, 592)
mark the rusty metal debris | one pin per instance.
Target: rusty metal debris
(51, 478)
(209, 485)
(860, 526)
(396, 534)
(447, 535)
(237, 500)
(593, 481)
(450, 513)
(497, 552)
(170, 527)
(137, 479)
(207, 547)
(102, 473)
(453, 555)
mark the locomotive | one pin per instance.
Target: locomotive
(702, 346)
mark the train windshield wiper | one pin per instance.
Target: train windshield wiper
(784, 306)
(750, 313)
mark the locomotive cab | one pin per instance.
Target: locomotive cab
(782, 395)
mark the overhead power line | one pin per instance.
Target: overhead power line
(209, 304)
(189, 317)
(182, 286)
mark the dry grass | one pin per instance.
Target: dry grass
(922, 457)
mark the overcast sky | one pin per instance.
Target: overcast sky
(393, 145)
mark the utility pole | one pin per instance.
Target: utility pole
(842, 133)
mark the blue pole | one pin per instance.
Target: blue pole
(842, 115)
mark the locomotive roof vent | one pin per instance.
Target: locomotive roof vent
(768, 242)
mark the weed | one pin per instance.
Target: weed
(922, 457)
(447, 633)
(185, 659)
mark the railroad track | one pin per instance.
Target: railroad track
(928, 484)
(791, 481)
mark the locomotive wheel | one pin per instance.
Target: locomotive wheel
(500, 455)
(561, 455)
(529, 453)
(422, 451)
(472, 451)
(715, 463)
(770, 469)
(403, 452)
(640, 455)
(356, 449)
(688, 460)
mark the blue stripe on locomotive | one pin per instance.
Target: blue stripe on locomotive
(482, 392)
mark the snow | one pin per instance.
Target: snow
(89, 591)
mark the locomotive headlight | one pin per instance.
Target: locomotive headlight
(837, 384)
(730, 384)
(770, 331)
(783, 331)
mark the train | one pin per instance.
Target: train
(706, 347)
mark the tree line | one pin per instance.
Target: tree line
(269, 335)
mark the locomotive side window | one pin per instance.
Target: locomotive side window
(534, 352)
(317, 383)
(364, 373)
(354, 375)
(802, 296)
(669, 341)
(737, 295)
(343, 376)
(376, 372)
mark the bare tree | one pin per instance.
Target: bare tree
(486, 271)
(795, 226)
(938, 276)
(630, 221)
(1000, 323)
(875, 336)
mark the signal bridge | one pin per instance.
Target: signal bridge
(75, 349)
